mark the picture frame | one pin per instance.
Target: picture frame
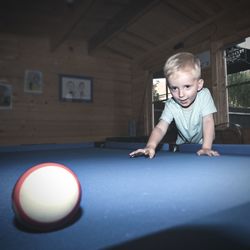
(33, 82)
(76, 88)
(5, 95)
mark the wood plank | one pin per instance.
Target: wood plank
(120, 22)
(71, 20)
(146, 58)
(219, 83)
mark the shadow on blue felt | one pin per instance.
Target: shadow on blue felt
(29, 229)
(183, 238)
(226, 230)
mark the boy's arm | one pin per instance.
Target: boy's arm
(208, 137)
(156, 136)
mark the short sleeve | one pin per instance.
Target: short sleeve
(208, 106)
(167, 115)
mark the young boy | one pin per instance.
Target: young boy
(191, 107)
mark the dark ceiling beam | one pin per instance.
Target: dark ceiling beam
(120, 22)
(118, 52)
(74, 15)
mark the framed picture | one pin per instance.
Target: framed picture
(33, 81)
(76, 88)
(5, 96)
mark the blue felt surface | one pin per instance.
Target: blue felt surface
(227, 149)
(39, 147)
(128, 199)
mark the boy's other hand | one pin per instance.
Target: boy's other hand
(209, 152)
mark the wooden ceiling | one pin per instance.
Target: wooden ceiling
(128, 28)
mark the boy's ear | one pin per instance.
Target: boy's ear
(200, 84)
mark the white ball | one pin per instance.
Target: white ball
(46, 196)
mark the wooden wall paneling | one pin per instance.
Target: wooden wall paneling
(44, 118)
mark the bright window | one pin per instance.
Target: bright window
(238, 83)
(160, 90)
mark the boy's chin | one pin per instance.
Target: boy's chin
(186, 104)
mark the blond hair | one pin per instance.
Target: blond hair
(182, 61)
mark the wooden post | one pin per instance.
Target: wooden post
(219, 90)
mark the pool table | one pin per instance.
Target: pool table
(177, 200)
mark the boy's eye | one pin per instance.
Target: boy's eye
(173, 88)
(187, 86)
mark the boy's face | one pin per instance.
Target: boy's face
(184, 87)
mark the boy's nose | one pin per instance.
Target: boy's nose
(181, 93)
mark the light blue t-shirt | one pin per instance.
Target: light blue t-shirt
(189, 120)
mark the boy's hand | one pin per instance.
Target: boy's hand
(143, 151)
(207, 151)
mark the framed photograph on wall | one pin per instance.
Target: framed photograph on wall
(76, 88)
(33, 81)
(5, 95)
